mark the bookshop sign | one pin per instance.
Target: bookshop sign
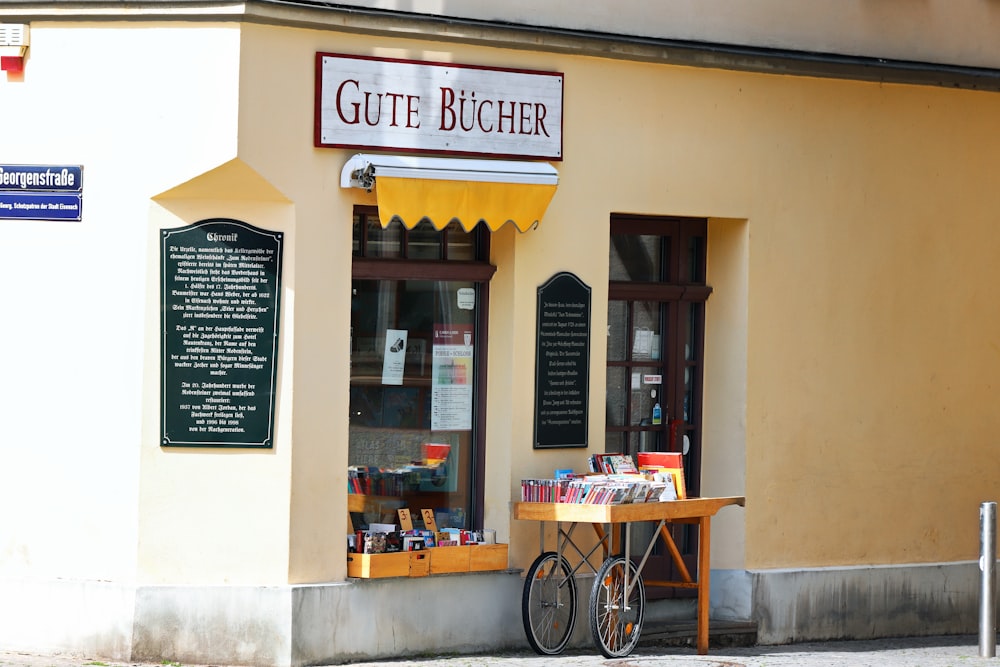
(562, 362)
(411, 105)
(220, 284)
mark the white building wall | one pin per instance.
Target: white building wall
(73, 328)
(957, 32)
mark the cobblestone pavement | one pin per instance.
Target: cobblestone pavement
(951, 651)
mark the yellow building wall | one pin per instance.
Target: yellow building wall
(839, 214)
(851, 348)
(873, 337)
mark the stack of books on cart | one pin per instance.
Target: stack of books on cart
(614, 479)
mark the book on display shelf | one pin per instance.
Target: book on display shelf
(614, 479)
(665, 462)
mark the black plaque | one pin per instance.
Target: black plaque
(562, 362)
(220, 284)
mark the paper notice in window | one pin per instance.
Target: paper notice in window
(451, 386)
(395, 356)
(466, 298)
(642, 344)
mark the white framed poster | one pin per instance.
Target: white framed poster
(394, 357)
(452, 378)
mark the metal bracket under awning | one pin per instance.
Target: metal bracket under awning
(493, 192)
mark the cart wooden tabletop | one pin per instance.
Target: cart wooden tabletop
(670, 510)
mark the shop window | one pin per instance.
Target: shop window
(417, 354)
(656, 320)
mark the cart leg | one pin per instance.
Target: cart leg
(675, 553)
(704, 564)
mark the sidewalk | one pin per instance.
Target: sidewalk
(950, 651)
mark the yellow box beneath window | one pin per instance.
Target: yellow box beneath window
(487, 557)
(420, 563)
(376, 566)
(445, 560)
(438, 560)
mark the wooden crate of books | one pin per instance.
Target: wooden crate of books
(396, 564)
(487, 557)
(420, 563)
(445, 560)
(377, 566)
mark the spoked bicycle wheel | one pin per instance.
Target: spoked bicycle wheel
(548, 604)
(615, 622)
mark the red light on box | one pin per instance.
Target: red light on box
(12, 64)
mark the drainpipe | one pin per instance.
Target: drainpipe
(987, 585)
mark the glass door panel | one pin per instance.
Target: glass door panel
(617, 396)
(636, 258)
(645, 383)
(656, 296)
(617, 330)
(647, 324)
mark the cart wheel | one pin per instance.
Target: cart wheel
(615, 622)
(548, 604)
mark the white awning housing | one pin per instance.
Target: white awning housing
(494, 192)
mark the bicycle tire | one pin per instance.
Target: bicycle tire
(615, 625)
(548, 604)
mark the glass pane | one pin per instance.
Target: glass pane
(614, 441)
(635, 258)
(649, 441)
(617, 328)
(694, 259)
(645, 394)
(461, 244)
(412, 398)
(357, 234)
(617, 389)
(634, 439)
(646, 339)
(688, 389)
(386, 242)
(423, 241)
(690, 332)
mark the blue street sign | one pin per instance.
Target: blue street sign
(41, 206)
(40, 178)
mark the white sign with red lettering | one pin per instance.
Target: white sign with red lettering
(408, 105)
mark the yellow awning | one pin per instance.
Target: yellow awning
(471, 202)
(494, 192)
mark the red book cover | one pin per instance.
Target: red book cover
(660, 460)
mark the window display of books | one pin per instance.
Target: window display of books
(369, 480)
(393, 539)
(614, 479)
(374, 481)
(402, 550)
